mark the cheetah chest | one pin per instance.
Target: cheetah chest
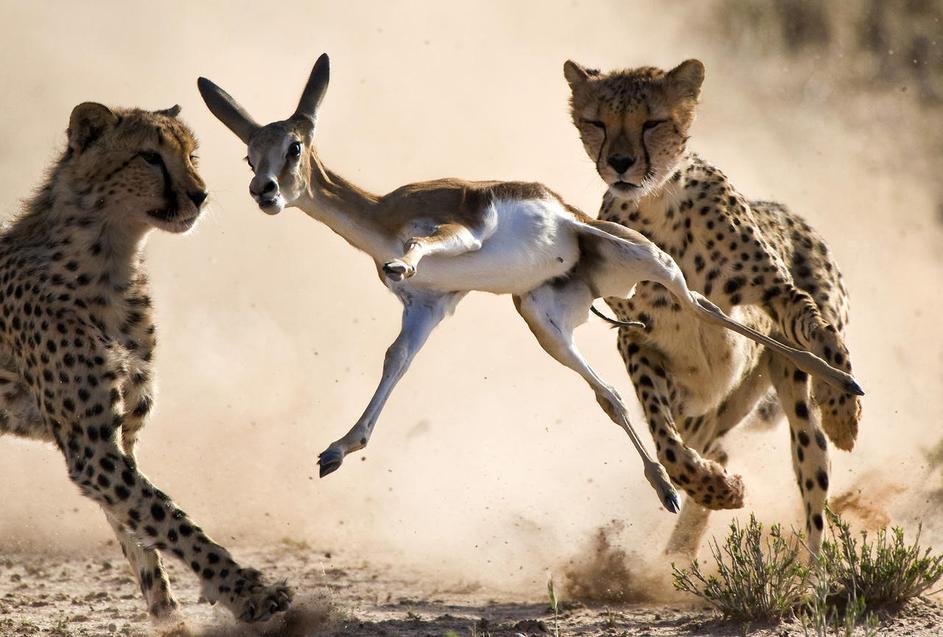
(705, 362)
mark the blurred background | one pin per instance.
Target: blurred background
(491, 462)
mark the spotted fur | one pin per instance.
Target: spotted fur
(756, 260)
(77, 337)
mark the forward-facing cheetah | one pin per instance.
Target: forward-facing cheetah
(756, 260)
(77, 337)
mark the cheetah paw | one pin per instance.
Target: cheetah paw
(721, 491)
(251, 600)
(262, 604)
(398, 270)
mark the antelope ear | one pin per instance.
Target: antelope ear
(575, 74)
(315, 89)
(685, 79)
(173, 111)
(227, 110)
(87, 123)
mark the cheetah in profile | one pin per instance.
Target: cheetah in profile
(756, 260)
(77, 337)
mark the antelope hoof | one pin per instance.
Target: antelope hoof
(330, 461)
(852, 387)
(671, 501)
(658, 478)
(398, 270)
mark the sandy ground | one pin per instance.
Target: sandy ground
(339, 593)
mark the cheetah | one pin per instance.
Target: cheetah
(77, 338)
(756, 260)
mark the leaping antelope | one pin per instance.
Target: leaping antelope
(500, 237)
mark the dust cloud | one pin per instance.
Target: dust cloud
(491, 463)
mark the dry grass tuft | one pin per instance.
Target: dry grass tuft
(760, 577)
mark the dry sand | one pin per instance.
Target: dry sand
(88, 595)
(491, 465)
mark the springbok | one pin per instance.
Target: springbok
(500, 237)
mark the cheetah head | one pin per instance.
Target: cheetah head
(280, 154)
(634, 123)
(135, 168)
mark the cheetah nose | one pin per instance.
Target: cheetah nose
(620, 163)
(198, 197)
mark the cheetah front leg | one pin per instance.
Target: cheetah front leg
(149, 573)
(145, 561)
(85, 422)
(686, 535)
(705, 433)
(448, 239)
(798, 317)
(704, 480)
(809, 448)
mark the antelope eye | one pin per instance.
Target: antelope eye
(294, 151)
(152, 158)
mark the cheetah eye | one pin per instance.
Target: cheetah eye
(652, 123)
(596, 123)
(154, 159)
(294, 151)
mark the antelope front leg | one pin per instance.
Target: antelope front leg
(449, 239)
(421, 313)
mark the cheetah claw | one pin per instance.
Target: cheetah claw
(277, 600)
(329, 461)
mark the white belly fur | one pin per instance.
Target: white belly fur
(533, 240)
(707, 361)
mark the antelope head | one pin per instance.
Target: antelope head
(280, 153)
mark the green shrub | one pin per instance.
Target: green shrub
(765, 578)
(757, 578)
(885, 571)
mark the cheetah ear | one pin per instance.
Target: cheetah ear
(87, 123)
(574, 73)
(685, 79)
(227, 110)
(173, 111)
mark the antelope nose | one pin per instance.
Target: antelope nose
(267, 187)
(620, 163)
(198, 197)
